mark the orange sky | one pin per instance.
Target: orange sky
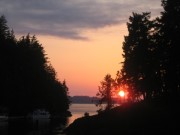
(83, 64)
(82, 38)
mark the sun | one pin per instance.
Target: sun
(121, 93)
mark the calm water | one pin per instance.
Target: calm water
(78, 110)
(45, 126)
(29, 127)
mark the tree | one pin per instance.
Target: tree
(170, 40)
(4, 30)
(6, 35)
(7, 59)
(105, 92)
(140, 66)
(28, 80)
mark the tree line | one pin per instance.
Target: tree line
(28, 80)
(151, 66)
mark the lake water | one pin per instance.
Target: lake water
(78, 111)
(45, 126)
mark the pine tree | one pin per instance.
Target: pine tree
(140, 64)
(105, 92)
(170, 39)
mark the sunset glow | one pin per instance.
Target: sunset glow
(121, 93)
(82, 39)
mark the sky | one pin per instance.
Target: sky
(82, 38)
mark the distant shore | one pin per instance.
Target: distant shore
(83, 99)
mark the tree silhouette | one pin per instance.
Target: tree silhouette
(28, 80)
(141, 66)
(170, 39)
(105, 92)
(151, 58)
(7, 60)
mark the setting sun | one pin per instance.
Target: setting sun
(121, 93)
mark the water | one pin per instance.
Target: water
(30, 127)
(45, 126)
(78, 111)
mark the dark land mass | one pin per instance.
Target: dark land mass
(86, 100)
(142, 118)
(83, 99)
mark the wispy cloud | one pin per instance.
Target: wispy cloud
(69, 18)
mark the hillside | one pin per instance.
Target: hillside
(129, 119)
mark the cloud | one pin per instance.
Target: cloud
(69, 18)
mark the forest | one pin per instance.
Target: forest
(28, 80)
